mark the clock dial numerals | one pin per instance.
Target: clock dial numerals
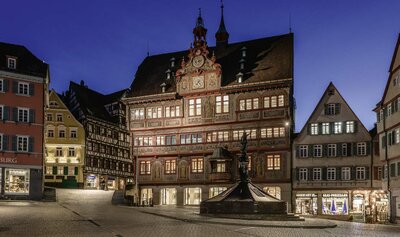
(198, 82)
(198, 61)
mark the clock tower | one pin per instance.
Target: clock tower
(199, 72)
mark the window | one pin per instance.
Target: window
(397, 136)
(345, 173)
(61, 133)
(361, 149)
(60, 170)
(22, 144)
(59, 152)
(50, 133)
(251, 134)
(314, 129)
(23, 88)
(360, 173)
(273, 132)
(396, 80)
(338, 128)
(331, 150)
(267, 102)
(1, 142)
(23, 115)
(191, 138)
(389, 109)
(379, 173)
(317, 173)
(155, 112)
(344, 149)
(11, 63)
(73, 133)
(350, 127)
(248, 104)
(197, 165)
(317, 151)
(222, 104)
(392, 170)
(147, 141)
(218, 136)
(170, 140)
(144, 167)
(303, 151)
(273, 102)
(71, 152)
(273, 191)
(214, 191)
(325, 128)
(331, 174)
(137, 114)
(194, 107)
(281, 100)
(303, 174)
(273, 162)
(330, 109)
(170, 166)
(59, 117)
(221, 167)
(172, 111)
(49, 117)
(160, 140)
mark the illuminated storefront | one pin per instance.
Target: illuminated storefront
(111, 183)
(306, 203)
(192, 196)
(214, 191)
(91, 181)
(273, 191)
(168, 196)
(335, 203)
(146, 196)
(16, 181)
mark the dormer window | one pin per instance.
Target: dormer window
(172, 62)
(163, 87)
(168, 74)
(241, 62)
(239, 77)
(243, 51)
(12, 63)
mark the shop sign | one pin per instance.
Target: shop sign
(8, 160)
(309, 195)
(358, 197)
(328, 195)
(91, 177)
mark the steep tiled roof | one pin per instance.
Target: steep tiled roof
(266, 59)
(27, 63)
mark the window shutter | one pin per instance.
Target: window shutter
(54, 169)
(354, 146)
(393, 137)
(5, 142)
(31, 89)
(297, 151)
(309, 173)
(337, 108)
(310, 150)
(324, 150)
(297, 173)
(76, 171)
(394, 106)
(31, 142)
(339, 149)
(15, 87)
(326, 109)
(367, 172)
(31, 115)
(324, 173)
(378, 117)
(6, 113)
(5, 85)
(355, 126)
(14, 143)
(331, 128)
(338, 173)
(375, 173)
(349, 150)
(368, 148)
(15, 114)
(65, 170)
(309, 129)
(353, 173)
(319, 128)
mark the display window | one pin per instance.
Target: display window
(273, 191)
(358, 203)
(335, 203)
(16, 181)
(214, 191)
(146, 196)
(91, 181)
(306, 204)
(168, 196)
(111, 183)
(192, 196)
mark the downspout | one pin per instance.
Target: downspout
(387, 167)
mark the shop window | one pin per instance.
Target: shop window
(197, 165)
(192, 196)
(168, 196)
(214, 191)
(146, 196)
(335, 204)
(274, 191)
(49, 170)
(306, 203)
(170, 166)
(16, 181)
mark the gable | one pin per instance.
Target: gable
(392, 88)
(55, 101)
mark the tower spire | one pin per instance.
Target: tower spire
(199, 31)
(222, 34)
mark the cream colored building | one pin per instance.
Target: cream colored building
(65, 146)
(388, 129)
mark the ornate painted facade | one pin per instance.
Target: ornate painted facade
(184, 105)
(64, 146)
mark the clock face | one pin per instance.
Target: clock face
(198, 61)
(198, 82)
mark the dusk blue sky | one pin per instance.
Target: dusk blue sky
(102, 42)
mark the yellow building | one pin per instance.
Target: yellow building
(65, 144)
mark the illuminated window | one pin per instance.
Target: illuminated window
(251, 134)
(172, 111)
(273, 191)
(197, 165)
(214, 191)
(248, 104)
(325, 128)
(194, 107)
(338, 128)
(350, 127)
(273, 162)
(170, 166)
(137, 113)
(222, 104)
(314, 129)
(145, 167)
